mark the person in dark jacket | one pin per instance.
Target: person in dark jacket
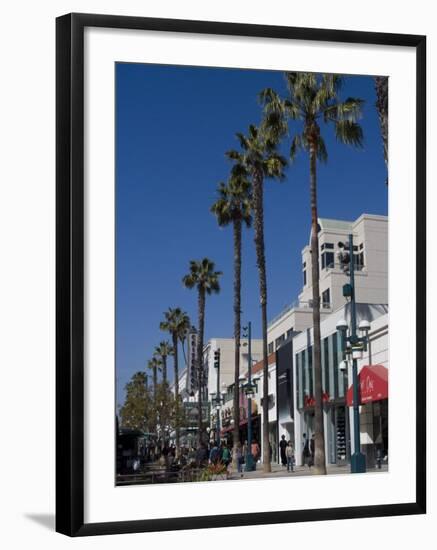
(201, 455)
(306, 453)
(282, 447)
(312, 449)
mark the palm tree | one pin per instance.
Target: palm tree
(234, 206)
(260, 159)
(314, 99)
(381, 88)
(153, 365)
(176, 323)
(203, 276)
(162, 352)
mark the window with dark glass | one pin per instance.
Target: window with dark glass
(279, 340)
(327, 259)
(270, 348)
(326, 298)
(359, 261)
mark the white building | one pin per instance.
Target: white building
(290, 340)
(370, 235)
(336, 383)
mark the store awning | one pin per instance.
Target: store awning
(373, 381)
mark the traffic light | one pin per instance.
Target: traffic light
(217, 359)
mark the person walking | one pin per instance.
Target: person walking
(282, 447)
(312, 449)
(201, 455)
(306, 453)
(226, 455)
(289, 453)
(238, 458)
(245, 449)
(255, 451)
(226, 458)
(214, 455)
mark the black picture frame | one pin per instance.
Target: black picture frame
(70, 273)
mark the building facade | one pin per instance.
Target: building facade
(290, 345)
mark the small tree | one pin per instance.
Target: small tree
(137, 411)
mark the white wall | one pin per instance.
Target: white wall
(27, 275)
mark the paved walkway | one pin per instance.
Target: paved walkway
(280, 471)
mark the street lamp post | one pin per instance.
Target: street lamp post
(249, 389)
(217, 399)
(354, 349)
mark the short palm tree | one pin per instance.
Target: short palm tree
(260, 160)
(205, 279)
(162, 352)
(176, 323)
(314, 99)
(234, 206)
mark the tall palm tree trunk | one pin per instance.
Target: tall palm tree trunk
(381, 88)
(319, 455)
(201, 317)
(176, 389)
(164, 369)
(155, 398)
(237, 330)
(261, 263)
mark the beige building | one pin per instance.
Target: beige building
(227, 360)
(370, 236)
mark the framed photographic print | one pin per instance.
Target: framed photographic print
(240, 274)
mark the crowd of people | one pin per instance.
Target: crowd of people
(223, 453)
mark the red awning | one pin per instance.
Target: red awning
(373, 380)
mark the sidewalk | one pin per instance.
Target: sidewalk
(281, 471)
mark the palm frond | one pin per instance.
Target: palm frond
(296, 146)
(322, 153)
(349, 132)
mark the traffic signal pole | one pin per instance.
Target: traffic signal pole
(358, 459)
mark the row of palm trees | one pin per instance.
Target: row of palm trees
(203, 277)
(311, 101)
(296, 121)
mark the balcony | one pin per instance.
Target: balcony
(298, 305)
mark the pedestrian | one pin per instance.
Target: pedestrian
(214, 455)
(306, 453)
(282, 447)
(237, 457)
(201, 456)
(226, 458)
(255, 451)
(245, 449)
(289, 453)
(312, 449)
(226, 455)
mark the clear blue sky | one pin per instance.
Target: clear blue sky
(173, 126)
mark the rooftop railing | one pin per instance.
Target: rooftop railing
(297, 304)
